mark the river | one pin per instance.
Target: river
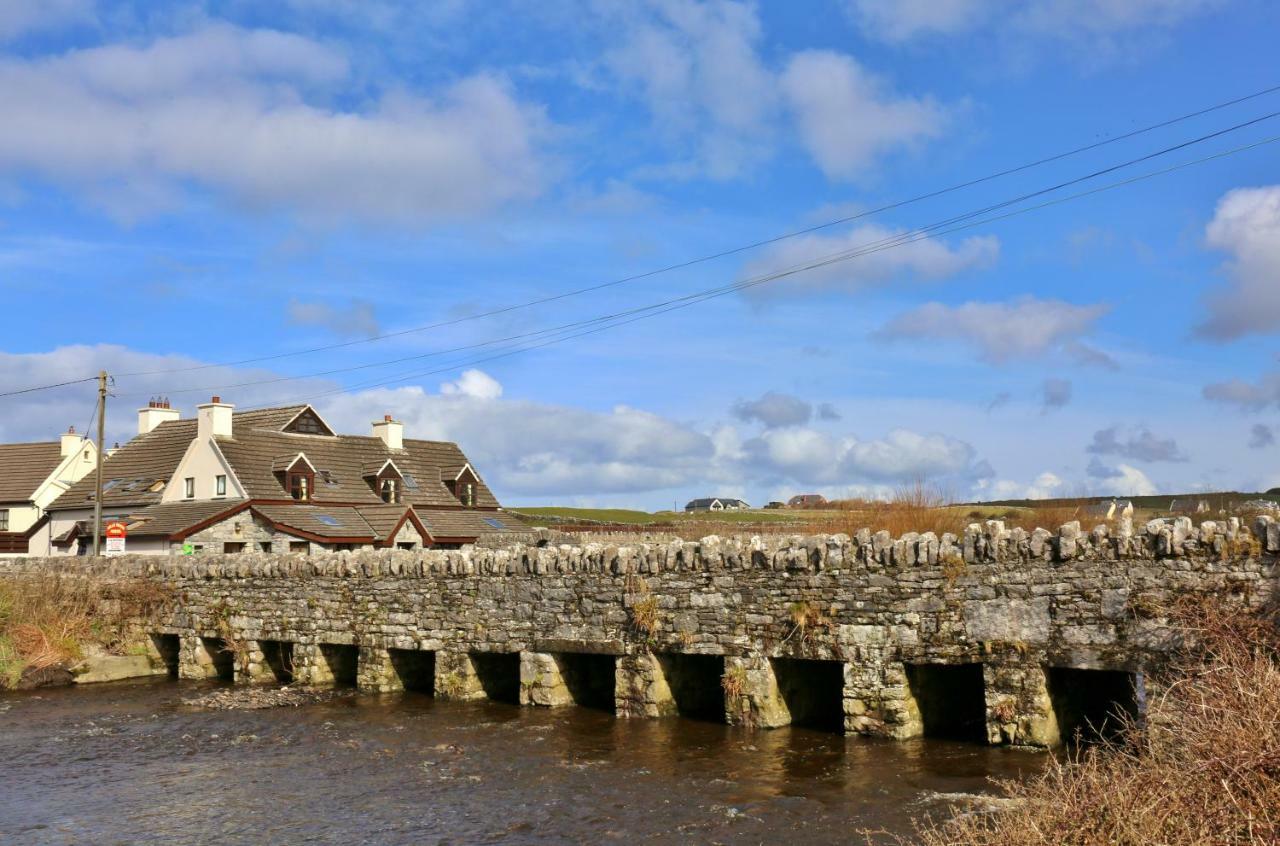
(133, 763)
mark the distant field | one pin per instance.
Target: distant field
(641, 518)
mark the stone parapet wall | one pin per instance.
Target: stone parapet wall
(878, 615)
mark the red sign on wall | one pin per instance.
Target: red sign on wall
(116, 529)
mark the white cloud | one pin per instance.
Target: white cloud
(923, 260)
(1121, 480)
(900, 20)
(774, 409)
(246, 114)
(1250, 396)
(846, 118)
(19, 17)
(1246, 224)
(698, 67)
(473, 383)
(1004, 332)
(1140, 444)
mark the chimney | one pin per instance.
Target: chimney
(71, 442)
(390, 431)
(213, 419)
(156, 412)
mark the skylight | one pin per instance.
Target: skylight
(327, 520)
(495, 522)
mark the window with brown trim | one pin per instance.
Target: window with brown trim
(389, 490)
(300, 485)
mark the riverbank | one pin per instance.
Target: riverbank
(57, 629)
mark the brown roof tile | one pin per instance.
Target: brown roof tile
(464, 523)
(329, 521)
(24, 466)
(170, 518)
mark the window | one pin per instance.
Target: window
(406, 545)
(189, 487)
(299, 546)
(300, 486)
(468, 494)
(264, 546)
(4, 519)
(389, 492)
(232, 547)
(219, 485)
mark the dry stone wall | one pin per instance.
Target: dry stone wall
(895, 634)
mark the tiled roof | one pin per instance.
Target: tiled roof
(383, 519)
(461, 523)
(329, 521)
(24, 466)
(172, 517)
(253, 452)
(130, 473)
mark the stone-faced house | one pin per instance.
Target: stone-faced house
(811, 500)
(716, 503)
(33, 476)
(278, 480)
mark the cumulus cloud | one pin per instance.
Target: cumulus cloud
(1261, 436)
(1140, 444)
(1246, 225)
(1098, 22)
(691, 63)
(827, 411)
(473, 383)
(357, 319)
(1056, 394)
(1002, 332)
(774, 409)
(1120, 480)
(920, 261)
(249, 116)
(1250, 396)
(846, 117)
(812, 457)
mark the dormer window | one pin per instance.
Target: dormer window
(300, 483)
(468, 494)
(389, 490)
(462, 484)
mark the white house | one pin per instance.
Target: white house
(32, 477)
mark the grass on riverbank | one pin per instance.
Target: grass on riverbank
(49, 620)
(1203, 769)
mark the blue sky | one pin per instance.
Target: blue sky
(189, 185)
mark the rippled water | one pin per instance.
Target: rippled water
(130, 763)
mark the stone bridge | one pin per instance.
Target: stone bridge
(1001, 636)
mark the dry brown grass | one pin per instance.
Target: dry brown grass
(48, 619)
(1204, 768)
(918, 507)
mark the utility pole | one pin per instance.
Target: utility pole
(102, 425)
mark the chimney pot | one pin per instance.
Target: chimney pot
(216, 399)
(154, 414)
(386, 417)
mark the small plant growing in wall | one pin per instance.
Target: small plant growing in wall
(953, 567)
(642, 609)
(806, 617)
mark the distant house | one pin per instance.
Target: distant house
(32, 477)
(774, 505)
(1109, 509)
(807, 501)
(716, 503)
(1188, 506)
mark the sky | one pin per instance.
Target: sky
(631, 253)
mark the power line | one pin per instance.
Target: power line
(849, 253)
(728, 252)
(35, 388)
(692, 299)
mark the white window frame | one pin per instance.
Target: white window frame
(4, 519)
(220, 485)
(189, 487)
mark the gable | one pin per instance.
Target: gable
(308, 422)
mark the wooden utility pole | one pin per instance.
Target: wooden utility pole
(102, 425)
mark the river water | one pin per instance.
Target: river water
(132, 763)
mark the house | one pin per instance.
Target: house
(32, 477)
(715, 504)
(276, 480)
(1189, 506)
(774, 505)
(807, 501)
(1109, 509)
